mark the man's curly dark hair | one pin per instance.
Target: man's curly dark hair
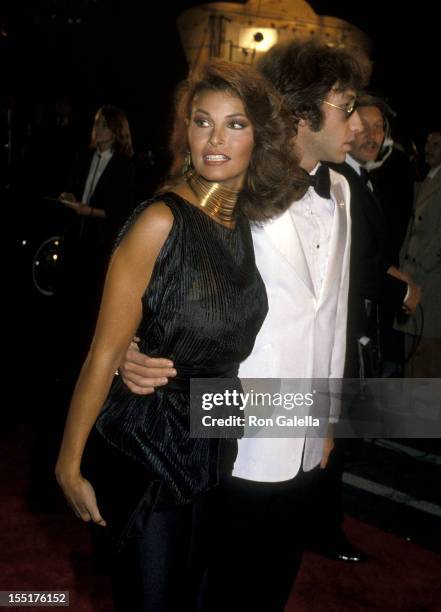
(304, 73)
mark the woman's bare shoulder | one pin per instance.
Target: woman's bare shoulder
(150, 230)
(156, 217)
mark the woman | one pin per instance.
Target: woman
(183, 278)
(102, 194)
(106, 168)
(102, 185)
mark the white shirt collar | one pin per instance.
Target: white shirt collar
(434, 171)
(106, 155)
(353, 163)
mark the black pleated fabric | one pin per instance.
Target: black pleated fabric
(203, 308)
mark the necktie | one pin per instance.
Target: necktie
(321, 181)
(92, 182)
(367, 179)
(364, 174)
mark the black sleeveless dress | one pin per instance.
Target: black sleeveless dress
(203, 308)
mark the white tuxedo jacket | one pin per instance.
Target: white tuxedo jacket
(303, 335)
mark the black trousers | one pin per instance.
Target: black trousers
(158, 566)
(259, 544)
(327, 513)
(164, 569)
(235, 548)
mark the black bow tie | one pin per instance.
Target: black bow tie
(321, 181)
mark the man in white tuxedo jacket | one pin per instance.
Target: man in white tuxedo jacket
(303, 257)
(304, 334)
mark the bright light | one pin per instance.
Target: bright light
(55, 257)
(260, 39)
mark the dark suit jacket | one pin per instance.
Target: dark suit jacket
(393, 185)
(88, 241)
(368, 278)
(114, 193)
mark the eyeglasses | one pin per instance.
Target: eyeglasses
(348, 109)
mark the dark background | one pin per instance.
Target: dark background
(128, 53)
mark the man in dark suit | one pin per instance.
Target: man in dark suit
(391, 176)
(374, 280)
(373, 277)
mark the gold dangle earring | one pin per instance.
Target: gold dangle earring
(187, 163)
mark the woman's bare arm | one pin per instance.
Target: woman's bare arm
(128, 276)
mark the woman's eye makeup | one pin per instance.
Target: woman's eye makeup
(235, 124)
(238, 124)
(201, 121)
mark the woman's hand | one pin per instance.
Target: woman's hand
(67, 196)
(81, 498)
(79, 208)
(70, 201)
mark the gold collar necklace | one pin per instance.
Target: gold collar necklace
(216, 200)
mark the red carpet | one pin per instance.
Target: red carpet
(43, 551)
(399, 576)
(53, 551)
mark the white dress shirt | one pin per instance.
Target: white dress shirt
(313, 216)
(434, 172)
(98, 164)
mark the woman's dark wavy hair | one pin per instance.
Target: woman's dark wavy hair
(304, 73)
(118, 123)
(274, 179)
